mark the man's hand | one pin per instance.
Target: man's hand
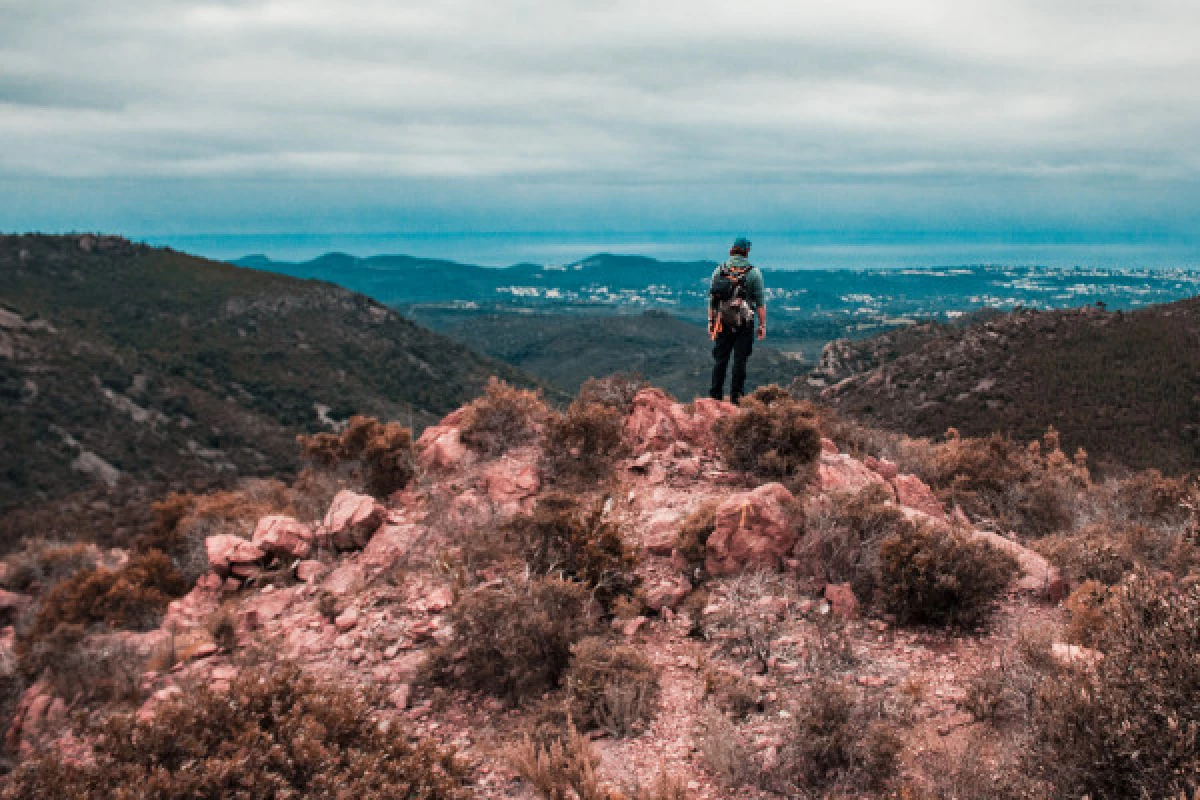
(762, 331)
(712, 325)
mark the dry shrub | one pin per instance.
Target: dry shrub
(753, 614)
(614, 391)
(1128, 725)
(1034, 489)
(581, 446)
(384, 452)
(133, 597)
(772, 436)
(502, 418)
(983, 768)
(183, 521)
(731, 693)
(222, 627)
(834, 740)
(986, 693)
(276, 733)
(938, 575)
(1086, 618)
(691, 542)
(561, 769)
(1108, 551)
(563, 538)
(1149, 496)
(40, 565)
(1094, 553)
(842, 538)
(724, 750)
(610, 687)
(514, 641)
(329, 605)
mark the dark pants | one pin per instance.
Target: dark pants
(739, 342)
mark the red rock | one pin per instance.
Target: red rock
(12, 602)
(754, 530)
(828, 448)
(283, 536)
(657, 423)
(1038, 576)
(1068, 655)
(508, 482)
(667, 593)
(438, 600)
(886, 469)
(226, 551)
(204, 651)
(842, 600)
(630, 627)
(347, 620)
(401, 696)
(209, 582)
(912, 492)
(247, 572)
(662, 528)
(441, 448)
(309, 571)
(841, 473)
(351, 520)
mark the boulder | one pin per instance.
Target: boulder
(912, 492)
(842, 473)
(842, 600)
(651, 424)
(661, 531)
(754, 530)
(511, 483)
(352, 520)
(828, 448)
(1072, 655)
(657, 423)
(283, 536)
(226, 551)
(667, 593)
(347, 620)
(886, 469)
(1038, 576)
(309, 571)
(441, 448)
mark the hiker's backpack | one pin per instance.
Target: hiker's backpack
(728, 293)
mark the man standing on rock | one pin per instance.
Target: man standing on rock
(736, 298)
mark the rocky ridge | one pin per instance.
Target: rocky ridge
(367, 594)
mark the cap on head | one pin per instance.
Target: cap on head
(740, 245)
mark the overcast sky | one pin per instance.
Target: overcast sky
(1039, 117)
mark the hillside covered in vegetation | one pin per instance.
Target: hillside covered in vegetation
(125, 363)
(566, 349)
(1125, 386)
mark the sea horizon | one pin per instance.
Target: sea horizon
(772, 250)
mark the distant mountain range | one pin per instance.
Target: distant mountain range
(124, 362)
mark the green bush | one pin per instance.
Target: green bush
(276, 733)
(933, 574)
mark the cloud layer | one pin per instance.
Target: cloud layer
(627, 113)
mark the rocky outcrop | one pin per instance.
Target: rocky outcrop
(838, 472)
(754, 530)
(282, 536)
(912, 492)
(656, 422)
(441, 448)
(229, 554)
(512, 483)
(351, 521)
(1038, 576)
